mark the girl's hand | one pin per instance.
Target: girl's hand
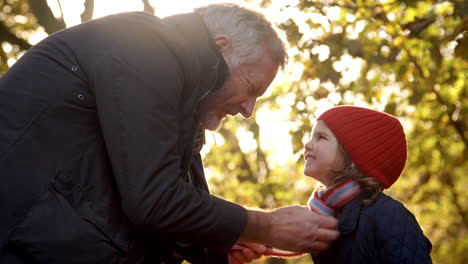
(246, 252)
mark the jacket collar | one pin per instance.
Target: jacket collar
(349, 216)
(204, 65)
(350, 213)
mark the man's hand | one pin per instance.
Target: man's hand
(293, 228)
(298, 229)
(246, 253)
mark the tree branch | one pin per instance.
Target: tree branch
(449, 181)
(458, 30)
(8, 36)
(44, 16)
(88, 12)
(235, 148)
(450, 108)
(260, 154)
(148, 7)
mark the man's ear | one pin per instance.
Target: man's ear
(224, 44)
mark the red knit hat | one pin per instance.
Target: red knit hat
(374, 140)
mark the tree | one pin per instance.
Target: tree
(407, 58)
(21, 19)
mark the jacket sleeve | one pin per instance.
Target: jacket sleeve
(138, 100)
(399, 237)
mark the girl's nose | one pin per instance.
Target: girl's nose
(309, 145)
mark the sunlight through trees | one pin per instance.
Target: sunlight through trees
(407, 58)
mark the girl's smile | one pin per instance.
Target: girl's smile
(322, 155)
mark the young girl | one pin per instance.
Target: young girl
(356, 153)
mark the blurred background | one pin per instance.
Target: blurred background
(408, 58)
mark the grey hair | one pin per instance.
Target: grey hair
(250, 32)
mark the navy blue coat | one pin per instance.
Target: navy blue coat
(383, 232)
(97, 128)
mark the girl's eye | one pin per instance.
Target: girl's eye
(318, 137)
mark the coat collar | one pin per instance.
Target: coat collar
(350, 213)
(349, 216)
(204, 66)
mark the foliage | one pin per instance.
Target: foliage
(16, 21)
(406, 57)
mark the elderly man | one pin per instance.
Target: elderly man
(100, 130)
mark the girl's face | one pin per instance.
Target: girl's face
(322, 156)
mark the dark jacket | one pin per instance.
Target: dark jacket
(383, 232)
(97, 124)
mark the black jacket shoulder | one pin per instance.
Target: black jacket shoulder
(100, 121)
(383, 232)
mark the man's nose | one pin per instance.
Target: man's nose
(247, 107)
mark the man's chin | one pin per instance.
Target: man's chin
(211, 124)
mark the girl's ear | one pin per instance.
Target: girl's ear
(224, 44)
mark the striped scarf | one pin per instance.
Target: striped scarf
(323, 201)
(328, 201)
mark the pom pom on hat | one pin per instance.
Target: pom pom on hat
(374, 140)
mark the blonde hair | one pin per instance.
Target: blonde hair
(350, 171)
